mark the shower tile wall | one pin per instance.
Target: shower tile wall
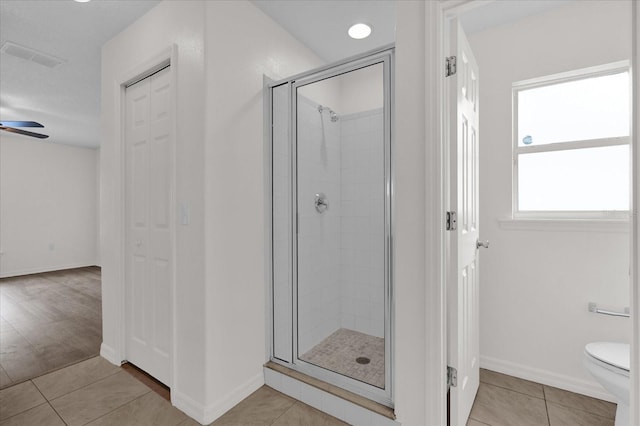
(319, 277)
(340, 252)
(362, 224)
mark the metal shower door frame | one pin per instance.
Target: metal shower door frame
(382, 56)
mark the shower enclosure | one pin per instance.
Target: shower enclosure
(331, 195)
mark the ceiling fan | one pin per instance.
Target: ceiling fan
(10, 126)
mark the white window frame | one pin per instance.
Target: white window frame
(580, 74)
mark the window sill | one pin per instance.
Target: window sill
(579, 225)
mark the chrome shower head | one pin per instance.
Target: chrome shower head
(332, 114)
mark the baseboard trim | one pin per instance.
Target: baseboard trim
(46, 269)
(207, 414)
(545, 377)
(110, 354)
(217, 409)
(187, 405)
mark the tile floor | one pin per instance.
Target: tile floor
(48, 321)
(339, 351)
(506, 400)
(90, 392)
(38, 336)
(95, 392)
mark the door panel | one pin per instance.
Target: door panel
(137, 323)
(148, 211)
(463, 291)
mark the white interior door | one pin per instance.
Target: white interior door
(462, 292)
(149, 263)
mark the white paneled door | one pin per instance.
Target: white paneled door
(462, 291)
(149, 260)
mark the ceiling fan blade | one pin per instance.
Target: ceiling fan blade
(20, 124)
(24, 132)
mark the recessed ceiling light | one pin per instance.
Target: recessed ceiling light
(82, 1)
(359, 31)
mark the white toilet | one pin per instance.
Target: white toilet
(609, 363)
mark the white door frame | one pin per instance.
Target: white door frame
(152, 64)
(635, 221)
(437, 18)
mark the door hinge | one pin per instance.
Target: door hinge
(452, 377)
(450, 67)
(452, 221)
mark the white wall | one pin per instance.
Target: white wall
(413, 381)
(220, 311)
(98, 198)
(48, 206)
(237, 56)
(536, 283)
(179, 23)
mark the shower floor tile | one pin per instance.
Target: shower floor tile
(339, 352)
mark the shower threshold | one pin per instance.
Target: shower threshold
(339, 392)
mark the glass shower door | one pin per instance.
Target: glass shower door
(342, 212)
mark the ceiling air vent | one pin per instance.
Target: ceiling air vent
(22, 52)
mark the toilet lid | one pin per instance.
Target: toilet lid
(615, 354)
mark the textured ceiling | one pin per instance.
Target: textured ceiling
(66, 99)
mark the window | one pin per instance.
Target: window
(571, 144)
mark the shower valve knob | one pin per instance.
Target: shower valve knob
(321, 203)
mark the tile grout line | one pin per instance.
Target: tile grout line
(11, 382)
(581, 410)
(24, 411)
(546, 406)
(576, 408)
(81, 387)
(513, 390)
(49, 278)
(118, 407)
(48, 402)
(284, 412)
(28, 409)
(66, 366)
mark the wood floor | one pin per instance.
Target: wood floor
(48, 321)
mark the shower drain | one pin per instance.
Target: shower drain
(363, 360)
